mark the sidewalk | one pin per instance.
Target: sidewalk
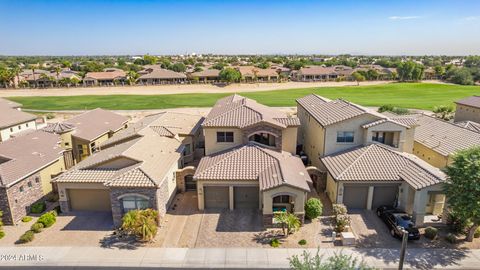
(75, 257)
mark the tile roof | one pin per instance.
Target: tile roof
(161, 73)
(328, 112)
(26, 154)
(251, 71)
(381, 121)
(241, 112)
(58, 128)
(147, 145)
(379, 163)
(317, 70)
(105, 75)
(254, 162)
(93, 124)
(10, 116)
(473, 101)
(444, 137)
(473, 126)
(206, 73)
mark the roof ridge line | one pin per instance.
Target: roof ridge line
(240, 104)
(230, 152)
(355, 161)
(448, 122)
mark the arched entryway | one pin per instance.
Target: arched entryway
(264, 138)
(190, 183)
(282, 203)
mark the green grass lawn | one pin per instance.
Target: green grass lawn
(407, 95)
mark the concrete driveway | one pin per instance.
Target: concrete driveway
(74, 229)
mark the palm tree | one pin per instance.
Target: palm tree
(33, 67)
(57, 69)
(132, 77)
(16, 71)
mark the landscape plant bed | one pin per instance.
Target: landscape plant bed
(406, 95)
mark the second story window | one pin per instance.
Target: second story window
(345, 136)
(224, 136)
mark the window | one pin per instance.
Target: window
(26, 124)
(93, 147)
(134, 202)
(188, 150)
(224, 136)
(21, 189)
(281, 199)
(29, 184)
(263, 138)
(378, 137)
(67, 144)
(345, 136)
(37, 179)
(11, 129)
(19, 127)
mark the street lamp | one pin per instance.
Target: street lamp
(404, 246)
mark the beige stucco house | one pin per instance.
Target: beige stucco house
(134, 169)
(250, 160)
(468, 109)
(27, 165)
(367, 158)
(13, 120)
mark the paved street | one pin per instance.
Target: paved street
(74, 258)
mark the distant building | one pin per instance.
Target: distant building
(13, 120)
(156, 75)
(107, 77)
(468, 109)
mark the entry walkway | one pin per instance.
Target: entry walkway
(76, 257)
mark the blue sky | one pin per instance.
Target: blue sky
(41, 27)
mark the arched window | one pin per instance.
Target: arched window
(263, 138)
(133, 202)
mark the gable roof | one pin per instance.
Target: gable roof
(473, 101)
(379, 163)
(444, 137)
(209, 73)
(23, 155)
(105, 75)
(327, 112)
(241, 112)
(93, 124)
(254, 162)
(9, 103)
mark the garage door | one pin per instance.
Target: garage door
(246, 197)
(216, 197)
(355, 197)
(384, 195)
(89, 200)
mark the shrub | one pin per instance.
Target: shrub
(451, 238)
(47, 219)
(50, 116)
(477, 233)
(341, 223)
(339, 209)
(37, 227)
(431, 232)
(141, 223)
(28, 236)
(275, 243)
(313, 208)
(2, 234)
(337, 261)
(302, 242)
(26, 219)
(38, 207)
(386, 108)
(457, 224)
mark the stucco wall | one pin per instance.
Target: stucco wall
(211, 145)
(299, 197)
(19, 127)
(289, 140)
(46, 174)
(467, 113)
(433, 158)
(331, 188)
(312, 136)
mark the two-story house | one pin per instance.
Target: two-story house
(251, 160)
(134, 169)
(366, 158)
(13, 120)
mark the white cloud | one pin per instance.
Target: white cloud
(396, 18)
(471, 18)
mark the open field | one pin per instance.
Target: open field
(409, 95)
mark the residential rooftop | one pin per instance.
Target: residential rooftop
(473, 101)
(376, 162)
(23, 155)
(241, 112)
(254, 162)
(10, 116)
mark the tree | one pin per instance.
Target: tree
(149, 59)
(462, 188)
(263, 65)
(230, 75)
(219, 66)
(132, 77)
(439, 71)
(410, 71)
(178, 67)
(141, 223)
(290, 223)
(338, 261)
(358, 77)
(461, 76)
(443, 112)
